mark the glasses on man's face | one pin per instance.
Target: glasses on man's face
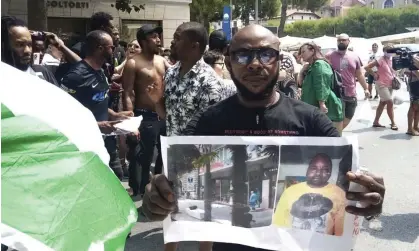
(265, 56)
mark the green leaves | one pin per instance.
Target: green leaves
(126, 6)
(205, 11)
(204, 159)
(359, 22)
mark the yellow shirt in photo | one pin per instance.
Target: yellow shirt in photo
(330, 223)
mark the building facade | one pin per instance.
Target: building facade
(384, 4)
(300, 15)
(72, 17)
(261, 176)
(337, 8)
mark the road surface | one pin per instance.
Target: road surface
(392, 154)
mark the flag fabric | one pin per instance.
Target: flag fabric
(57, 190)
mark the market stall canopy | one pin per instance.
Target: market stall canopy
(363, 47)
(325, 42)
(58, 192)
(408, 37)
(288, 42)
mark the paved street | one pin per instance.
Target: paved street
(392, 154)
(220, 213)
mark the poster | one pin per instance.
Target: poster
(275, 193)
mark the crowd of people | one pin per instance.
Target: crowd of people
(204, 85)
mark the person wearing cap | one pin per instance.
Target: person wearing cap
(218, 41)
(349, 65)
(142, 70)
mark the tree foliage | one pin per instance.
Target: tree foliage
(127, 6)
(206, 11)
(359, 22)
(245, 8)
(311, 5)
(182, 158)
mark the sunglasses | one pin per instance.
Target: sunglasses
(265, 56)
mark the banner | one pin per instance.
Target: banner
(227, 21)
(58, 192)
(275, 193)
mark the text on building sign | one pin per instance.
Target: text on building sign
(68, 4)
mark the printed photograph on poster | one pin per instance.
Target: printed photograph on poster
(311, 188)
(205, 176)
(274, 193)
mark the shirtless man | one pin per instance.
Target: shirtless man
(144, 69)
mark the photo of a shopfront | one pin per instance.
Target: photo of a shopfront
(261, 176)
(224, 178)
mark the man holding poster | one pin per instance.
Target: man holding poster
(257, 109)
(316, 204)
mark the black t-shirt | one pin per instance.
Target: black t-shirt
(288, 117)
(79, 49)
(45, 74)
(62, 70)
(90, 87)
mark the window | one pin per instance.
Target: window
(372, 5)
(309, 18)
(388, 4)
(302, 17)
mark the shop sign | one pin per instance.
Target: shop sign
(68, 4)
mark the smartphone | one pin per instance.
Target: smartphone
(36, 58)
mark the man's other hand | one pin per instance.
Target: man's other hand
(159, 199)
(374, 198)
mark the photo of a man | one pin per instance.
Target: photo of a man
(316, 204)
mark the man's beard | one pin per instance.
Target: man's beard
(342, 47)
(108, 57)
(18, 64)
(250, 96)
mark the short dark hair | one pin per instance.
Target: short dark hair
(212, 56)
(93, 40)
(196, 32)
(99, 20)
(217, 40)
(324, 157)
(123, 44)
(8, 22)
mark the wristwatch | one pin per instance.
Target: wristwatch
(372, 217)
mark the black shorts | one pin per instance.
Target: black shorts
(370, 79)
(349, 107)
(414, 92)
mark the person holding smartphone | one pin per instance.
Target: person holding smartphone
(16, 48)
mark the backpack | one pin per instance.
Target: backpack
(337, 84)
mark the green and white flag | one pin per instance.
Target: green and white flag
(57, 191)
